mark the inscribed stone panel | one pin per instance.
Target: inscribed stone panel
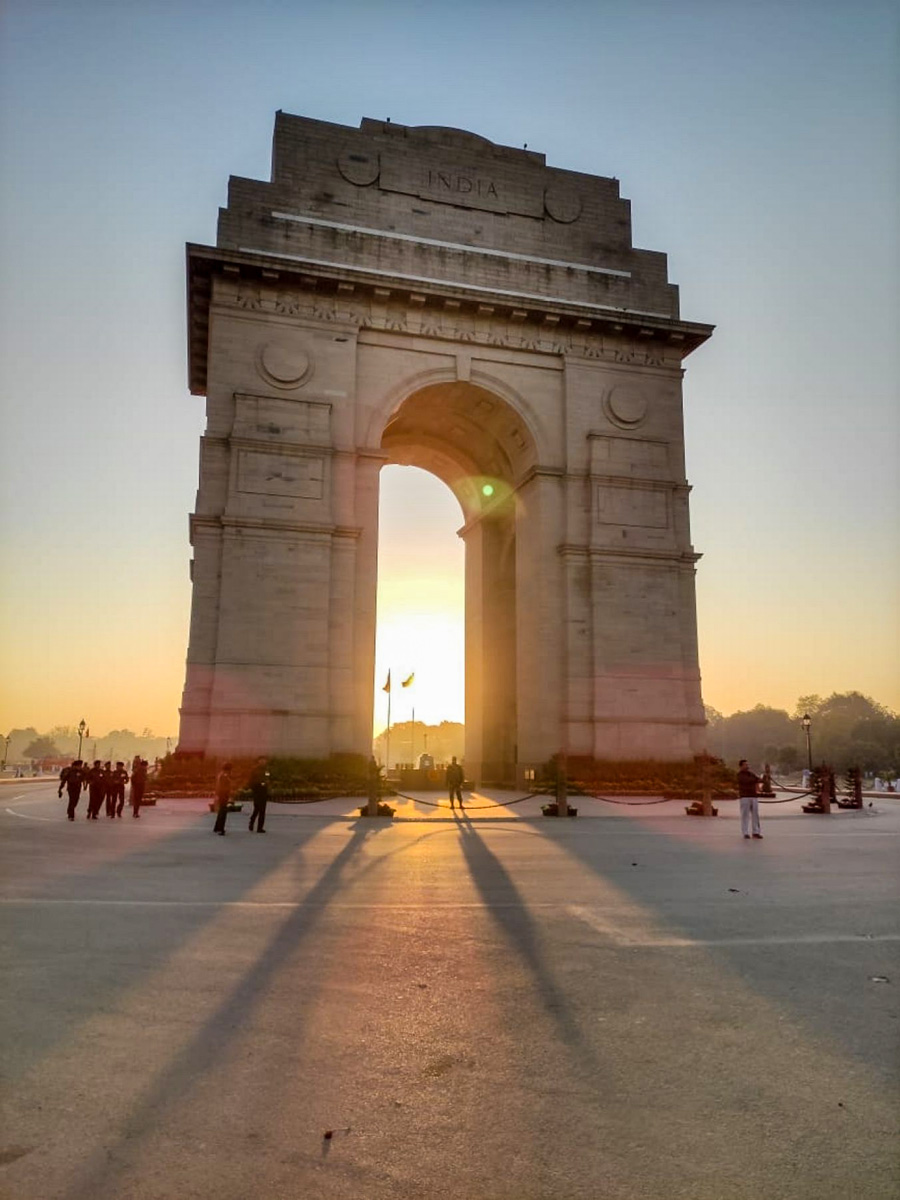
(640, 507)
(630, 456)
(281, 474)
(447, 178)
(266, 418)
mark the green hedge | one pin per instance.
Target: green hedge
(638, 777)
(338, 775)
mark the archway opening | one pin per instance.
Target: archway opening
(481, 448)
(420, 631)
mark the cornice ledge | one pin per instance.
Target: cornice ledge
(678, 558)
(276, 525)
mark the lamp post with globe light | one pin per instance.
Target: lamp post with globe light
(806, 722)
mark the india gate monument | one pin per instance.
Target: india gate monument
(419, 295)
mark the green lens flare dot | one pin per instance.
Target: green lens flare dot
(487, 489)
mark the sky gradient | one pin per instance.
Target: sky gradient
(758, 144)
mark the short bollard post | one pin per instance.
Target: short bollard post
(706, 792)
(854, 787)
(702, 806)
(828, 789)
(823, 789)
(562, 794)
(374, 782)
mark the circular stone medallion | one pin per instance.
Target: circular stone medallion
(282, 362)
(359, 168)
(562, 205)
(626, 405)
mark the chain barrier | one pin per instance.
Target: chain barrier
(276, 799)
(468, 807)
(675, 800)
(549, 797)
(625, 803)
(800, 795)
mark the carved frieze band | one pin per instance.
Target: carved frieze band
(478, 324)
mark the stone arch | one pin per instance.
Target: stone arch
(457, 304)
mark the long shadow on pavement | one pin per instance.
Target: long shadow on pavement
(728, 890)
(505, 904)
(80, 956)
(208, 1046)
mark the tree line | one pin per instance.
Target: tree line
(408, 742)
(847, 729)
(30, 745)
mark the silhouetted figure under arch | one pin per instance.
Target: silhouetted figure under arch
(455, 782)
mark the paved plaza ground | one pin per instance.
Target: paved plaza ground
(629, 1005)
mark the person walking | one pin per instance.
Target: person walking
(96, 790)
(138, 783)
(73, 779)
(109, 789)
(223, 797)
(119, 779)
(259, 790)
(748, 787)
(455, 781)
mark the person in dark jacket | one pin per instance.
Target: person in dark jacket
(138, 783)
(259, 790)
(96, 790)
(118, 781)
(455, 781)
(109, 789)
(73, 778)
(223, 796)
(748, 787)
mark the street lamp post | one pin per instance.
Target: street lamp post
(82, 726)
(806, 722)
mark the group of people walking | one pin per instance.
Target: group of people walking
(105, 786)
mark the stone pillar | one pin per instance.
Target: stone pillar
(473, 536)
(274, 657)
(491, 649)
(499, 669)
(541, 619)
(206, 565)
(366, 467)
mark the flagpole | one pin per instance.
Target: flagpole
(387, 753)
(408, 682)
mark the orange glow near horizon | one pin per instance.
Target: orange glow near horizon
(122, 666)
(421, 599)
